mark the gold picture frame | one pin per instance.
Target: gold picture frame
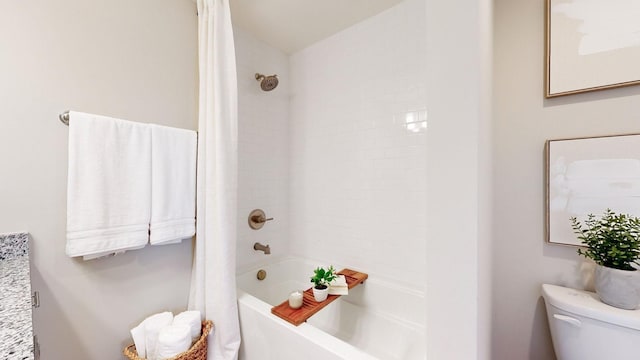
(590, 45)
(587, 175)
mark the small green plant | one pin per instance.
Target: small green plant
(612, 240)
(321, 277)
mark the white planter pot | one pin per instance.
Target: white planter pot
(320, 295)
(619, 288)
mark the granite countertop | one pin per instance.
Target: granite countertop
(16, 332)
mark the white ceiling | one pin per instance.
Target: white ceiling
(292, 25)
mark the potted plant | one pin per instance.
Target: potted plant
(613, 242)
(321, 279)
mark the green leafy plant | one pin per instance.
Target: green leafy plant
(612, 240)
(322, 277)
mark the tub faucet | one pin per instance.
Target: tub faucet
(264, 248)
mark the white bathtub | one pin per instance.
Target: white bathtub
(377, 320)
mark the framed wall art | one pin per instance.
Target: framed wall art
(591, 45)
(587, 176)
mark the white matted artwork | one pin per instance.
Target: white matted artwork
(587, 176)
(592, 45)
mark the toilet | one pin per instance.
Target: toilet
(584, 328)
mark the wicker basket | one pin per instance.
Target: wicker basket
(197, 352)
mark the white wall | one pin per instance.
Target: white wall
(459, 175)
(358, 170)
(263, 150)
(482, 38)
(523, 121)
(135, 60)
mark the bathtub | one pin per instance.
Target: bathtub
(377, 320)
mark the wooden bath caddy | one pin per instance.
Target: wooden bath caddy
(309, 304)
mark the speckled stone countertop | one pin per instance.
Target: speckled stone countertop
(16, 332)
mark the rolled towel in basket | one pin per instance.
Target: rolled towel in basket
(172, 340)
(193, 320)
(152, 327)
(147, 330)
(137, 333)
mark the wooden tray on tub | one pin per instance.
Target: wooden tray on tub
(309, 304)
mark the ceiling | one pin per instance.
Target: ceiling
(292, 25)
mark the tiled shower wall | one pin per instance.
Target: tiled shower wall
(263, 163)
(358, 146)
(337, 152)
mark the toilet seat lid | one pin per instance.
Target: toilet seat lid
(588, 304)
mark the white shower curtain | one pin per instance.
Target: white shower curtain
(213, 286)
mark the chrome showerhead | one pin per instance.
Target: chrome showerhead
(267, 83)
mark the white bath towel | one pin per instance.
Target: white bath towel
(108, 188)
(152, 327)
(193, 320)
(173, 184)
(339, 286)
(172, 340)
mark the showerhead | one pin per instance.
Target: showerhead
(267, 83)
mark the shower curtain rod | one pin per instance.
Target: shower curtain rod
(64, 117)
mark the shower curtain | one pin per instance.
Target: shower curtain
(213, 286)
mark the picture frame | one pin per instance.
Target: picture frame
(587, 176)
(591, 45)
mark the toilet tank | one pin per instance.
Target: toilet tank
(584, 328)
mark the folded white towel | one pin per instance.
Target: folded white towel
(108, 188)
(152, 327)
(173, 184)
(340, 280)
(339, 286)
(193, 320)
(172, 340)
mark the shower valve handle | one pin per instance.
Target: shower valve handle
(260, 219)
(257, 219)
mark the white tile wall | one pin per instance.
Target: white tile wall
(263, 162)
(358, 146)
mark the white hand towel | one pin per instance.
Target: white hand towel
(108, 188)
(172, 340)
(340, 280)
(173, 184)
(339, 286)
(192, 319)
(152, 327)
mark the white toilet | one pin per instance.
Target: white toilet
(584, 328)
